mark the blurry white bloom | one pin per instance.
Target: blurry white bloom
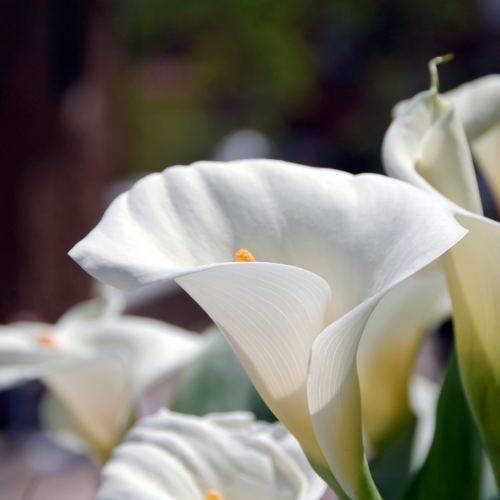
(96, 361)
(350, 240)
(424, 395)
(224, 456)
(426, 145)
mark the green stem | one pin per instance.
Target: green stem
(433, 63)
(367, 489)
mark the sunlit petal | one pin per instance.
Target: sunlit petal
(427, 147)
(473, 271)
(389, 347)
(271, 315)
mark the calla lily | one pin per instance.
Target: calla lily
(97, 362)
(477, 105)
(328, 245)
(225, 456)
(426, 145)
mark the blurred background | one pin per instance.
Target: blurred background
(96, 93)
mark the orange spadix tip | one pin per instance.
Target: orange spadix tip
(244, 255)
(46, 339)
(213, 495)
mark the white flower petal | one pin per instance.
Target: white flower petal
(270, 314)
(426, 147)
(157, 350)
(446, 163)
(186, 218)
(486, 151)
(174, 456)
(98, 397)
(389, 347)
(333, 389)
(478, 107)
(97, 362)
(477, 104)
(473, 272)
(424, 396)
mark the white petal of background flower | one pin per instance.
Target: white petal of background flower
(182, 457)
(424, 395)
(96, 361)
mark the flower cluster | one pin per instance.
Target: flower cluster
(324, 284)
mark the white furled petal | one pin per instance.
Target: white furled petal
(478, 107)
(98, 397)
(389, 348)
(486, 151)
(157, 350)
(446, 163)
(473, 272)
(26, 350)
(477, 104)
(426, 146)
(181, 457)
(263, 309)
(127, 355)
(333, 389)
(270, 314)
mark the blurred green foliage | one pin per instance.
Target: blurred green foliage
(453, 468)
(319, 77)
(217, 382)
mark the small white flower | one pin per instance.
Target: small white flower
(97, 362)
(226, 456)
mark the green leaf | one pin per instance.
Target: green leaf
(216, 382)
(391, 468)
(453, 468)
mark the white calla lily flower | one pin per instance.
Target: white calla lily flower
(477, 105)
(97, 362)
(426, 145)
(225, 456)
(328, 245)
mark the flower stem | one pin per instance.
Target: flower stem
(433, 63)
